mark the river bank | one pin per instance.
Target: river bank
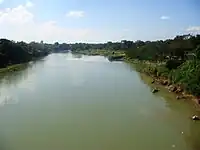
(91, 98)
(111, 55)
(12, 68)
(156, 70)
(161, 76)
(17, 67)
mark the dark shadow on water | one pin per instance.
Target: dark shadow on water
(15, 77)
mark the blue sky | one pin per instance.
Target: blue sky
(98, 21)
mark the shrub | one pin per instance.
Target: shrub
(173, 64)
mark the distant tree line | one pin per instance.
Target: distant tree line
(177, 59)
(181, 47)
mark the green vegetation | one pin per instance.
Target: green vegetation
(14, 53)
(188, 75)
(181, 68)
(177, 60)
(13, 68)
(112, 55)
(93, 52)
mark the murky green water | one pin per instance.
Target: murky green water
(69, 103)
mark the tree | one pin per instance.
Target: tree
(20, 52)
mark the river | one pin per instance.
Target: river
(67, 102)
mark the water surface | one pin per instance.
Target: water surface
(67, 102)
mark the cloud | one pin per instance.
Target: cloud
(76, 14)
(1, 1)
(20, 24)
(18, 15)
(165, 17)
(29, 4)
(193, 29)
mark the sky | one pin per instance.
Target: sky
(99, 21)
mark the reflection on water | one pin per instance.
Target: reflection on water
(13, 78)
(86, 102)
(11, 81)
(8, 100)
(77, 56)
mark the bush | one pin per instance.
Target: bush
(163, 71)
(188, 74)
(173, 64)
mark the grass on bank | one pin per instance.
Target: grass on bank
(12, 68)
(187, 74)
(101, 52)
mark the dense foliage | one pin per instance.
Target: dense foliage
(188, 75)
(20, 52)
(180, 48)
(177, 59)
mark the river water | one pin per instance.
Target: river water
(68, 102)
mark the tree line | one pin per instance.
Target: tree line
(180, 56)
(181, 47)
(177, 59)
(19, 52)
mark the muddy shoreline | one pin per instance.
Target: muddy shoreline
(178, 90)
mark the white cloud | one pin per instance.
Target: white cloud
(19, 23)
(29, 4)
(17, 15)
(193, 29)
(76, 14)
(1, 1)
(164, 17)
